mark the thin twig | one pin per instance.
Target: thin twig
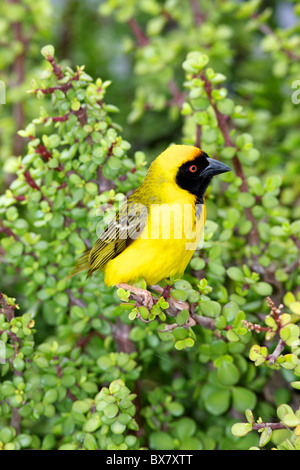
(56, 68)
(8, 232)
(178, 98)
(223, 126)
(198, 136)
(273, 426)
(276, 353)
(198, 16)
(142, 39)
(74, 301)
(19, 73)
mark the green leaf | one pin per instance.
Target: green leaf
(246, 199)
(230, 311)
(90, 442)
(236, 274)
(92, 424)
(117, 427)
(180, 333)
(217, 402)
(114, 163)
(175, 408)
(210, 308)
(47, 51)
(241, 429)
(249, 416)
(225, 106)
(243, 399)
(228, 152)
(220, 322)
(160, 440)
(284, 410)
(179, 294)
(185, 427)
(182, 317)
(191, 443)
(184, 343)
(49, 380)
(195, 62)
(295, 227)
(51, 396)
(291, 420)
(263, 288)
(82, 406)
(295, 307)
(228, 373)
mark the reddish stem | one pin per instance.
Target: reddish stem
(46, 155)
(178, 97)
(64, 87)
(198, 16)
(31, 181)
(41, 149)
(198, 136)
(62, 186)
(8, 231)
(258, 426)
(222, 122)
(33, 185)
(56, 68)
(60, 118)
(142, 39)
(19, 73)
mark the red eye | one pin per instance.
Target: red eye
(193, 168)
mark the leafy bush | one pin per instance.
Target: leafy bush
(85, 366)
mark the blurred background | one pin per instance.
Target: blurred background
(140, 46)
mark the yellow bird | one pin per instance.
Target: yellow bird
(158, 228)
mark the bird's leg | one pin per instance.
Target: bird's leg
(144, 294)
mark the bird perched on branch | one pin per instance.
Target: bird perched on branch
(158, 228)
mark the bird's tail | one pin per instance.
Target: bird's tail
(82, 264)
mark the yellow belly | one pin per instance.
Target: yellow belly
(163, 249)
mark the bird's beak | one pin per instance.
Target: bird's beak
(215, 167)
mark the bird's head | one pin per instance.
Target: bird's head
(190, 168)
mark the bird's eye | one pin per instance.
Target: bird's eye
(193, 168)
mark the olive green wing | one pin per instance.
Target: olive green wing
(121, 231)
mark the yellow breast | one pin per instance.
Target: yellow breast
(165, 246)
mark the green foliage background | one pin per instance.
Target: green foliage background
(83, 366)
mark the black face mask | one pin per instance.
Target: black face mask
(195, 175)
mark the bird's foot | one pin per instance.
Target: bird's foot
(144, 295)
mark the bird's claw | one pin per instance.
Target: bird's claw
(145, 295)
